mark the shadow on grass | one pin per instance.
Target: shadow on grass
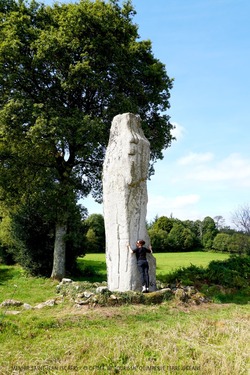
(8, 273)
(90, 270)
(239, 298)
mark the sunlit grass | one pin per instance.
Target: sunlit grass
(165, 262)
(16, 284)
(168, 262)
(211, 340)
(132, 339)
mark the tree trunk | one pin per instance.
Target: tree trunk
(58, 271)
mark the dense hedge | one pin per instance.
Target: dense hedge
(231, 273)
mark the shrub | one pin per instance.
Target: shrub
(187, 275)
(33, 228)
(231, 273)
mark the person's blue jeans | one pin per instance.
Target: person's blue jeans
(143, 269)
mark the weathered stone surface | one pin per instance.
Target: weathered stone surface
(27, 306)
(88, 294)
(49, 303)
(101, 289)
(181, 295)
(11, 302)
(12, 312)
(125, 202)
(66, 281)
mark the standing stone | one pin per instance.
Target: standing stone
(125, 199)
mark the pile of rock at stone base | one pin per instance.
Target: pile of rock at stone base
(92, 294)
(84, 293)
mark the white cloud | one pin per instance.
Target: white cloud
(233, 169)
(207, 186)
(185, 200)
(180, 206)
(178, 132)
(195, 158)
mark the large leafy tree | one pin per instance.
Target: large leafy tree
(181, 238)
(65, 71)
(95, 233)
(209, 231)
(164, 223)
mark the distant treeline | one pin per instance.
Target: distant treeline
(168, 234)
(27, 237)
(173, 235)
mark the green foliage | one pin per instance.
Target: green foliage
(170, 235)
(33, 228)
(180, 238)
(163, 223)
(221, 242)
(209, 232)
(95, 235)
(192, 275)
(64, 75)
(239, 243)
(231, 273)
(7, 241)
(34, 240)
(236, 243)
(234, 272)
(158, 239)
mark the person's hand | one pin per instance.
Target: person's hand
(129, 248)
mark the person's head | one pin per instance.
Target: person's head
(140, 243)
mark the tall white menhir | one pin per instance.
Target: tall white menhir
(125, 200)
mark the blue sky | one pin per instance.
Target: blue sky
(205, 46)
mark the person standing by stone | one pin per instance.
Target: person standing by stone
(142, 263)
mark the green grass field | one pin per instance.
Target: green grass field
(15, 282)
(165, 262)
(170, 338)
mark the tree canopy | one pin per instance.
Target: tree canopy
(65, 71)
(191, 235)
